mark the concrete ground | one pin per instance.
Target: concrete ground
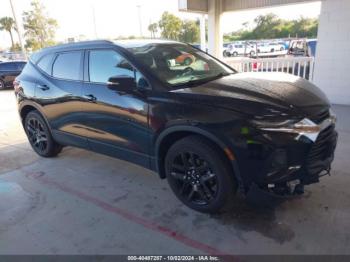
(86, 203)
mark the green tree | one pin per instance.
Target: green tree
(153, 28)
(270, 26)
(267, 26)
(8, 24)
(304, 27)
(190, 32)
(170, 26)
(39, 27)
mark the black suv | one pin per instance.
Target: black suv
(9, 71)
(213, 133)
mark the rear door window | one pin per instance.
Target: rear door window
(67, 66)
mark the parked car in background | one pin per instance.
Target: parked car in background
(211, 132)
(285, 44)
(269, 47)
(239, 49)
(14, 56)
(277, 47)
(9, 71)
(303, 47)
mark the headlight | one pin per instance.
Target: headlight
(304, 127)
(274, 124)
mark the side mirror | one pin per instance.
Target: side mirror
(121, 83)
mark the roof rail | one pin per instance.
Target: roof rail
(81, 43)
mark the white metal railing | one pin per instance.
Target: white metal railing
(299, 66)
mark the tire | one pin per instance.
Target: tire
(188, 61)
(235, 54)
(199, 175)
(252, 53)
(272, 50)
(37, 129)
(282, 48)
(2, 85)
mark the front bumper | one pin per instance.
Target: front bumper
(318, 164)
(293, 160)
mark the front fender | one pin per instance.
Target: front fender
(199, 131)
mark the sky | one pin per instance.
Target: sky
(120, 18)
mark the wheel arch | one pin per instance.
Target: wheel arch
(28, 107)
(169, 136)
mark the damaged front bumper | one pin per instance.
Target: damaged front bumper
(303, 167)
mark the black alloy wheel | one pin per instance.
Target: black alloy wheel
(39, 135)
(199, 175)
(196, 180)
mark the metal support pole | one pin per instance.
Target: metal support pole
(18, 29)
(203, 33)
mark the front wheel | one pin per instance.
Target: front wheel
(199, 175)
(39, 135)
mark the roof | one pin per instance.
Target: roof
(100, 43)
(77, 45)
(122, 43)
(141, 42)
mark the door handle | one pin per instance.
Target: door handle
(43, 87)
(90, 97)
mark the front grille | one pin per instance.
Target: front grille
(321, 153)
(320, 117)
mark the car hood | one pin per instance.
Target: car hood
(273, 90)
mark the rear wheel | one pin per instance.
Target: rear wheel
(39, 135)
(199, 175)
(2, 85)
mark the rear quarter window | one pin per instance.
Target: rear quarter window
(67, 65)
(45, 63)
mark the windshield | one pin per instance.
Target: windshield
(178, 64)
